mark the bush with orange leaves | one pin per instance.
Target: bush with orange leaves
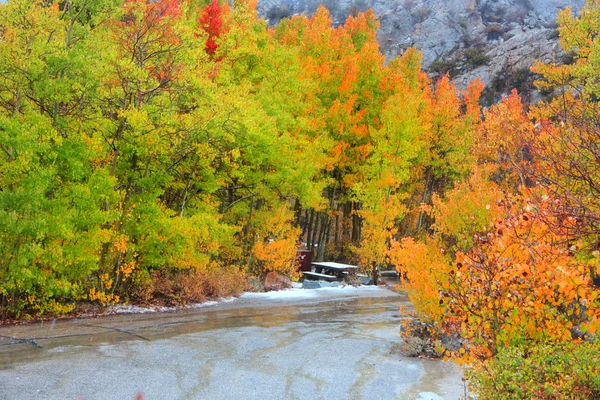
(518, 284)
(514, 289)
(465, 211)
(421, 265)
(275, 244)
(500, 276)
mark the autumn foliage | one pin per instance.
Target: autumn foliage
(165, 151)
(511, 263)
(211, 22)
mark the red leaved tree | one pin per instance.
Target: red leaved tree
(211, 22)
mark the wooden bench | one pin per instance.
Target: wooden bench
(319, 277)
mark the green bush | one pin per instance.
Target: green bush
(567, 370)
(444, 66)
(554, 34)
(504, 82)
(476, 57)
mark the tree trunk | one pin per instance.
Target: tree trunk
(309, 230)
(315, 231)
(323, 229)
(375, 273)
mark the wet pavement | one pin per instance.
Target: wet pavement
(299, 344)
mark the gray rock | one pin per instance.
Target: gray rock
(364, 280)
(452, 342)
(308, 284)
(429, 396)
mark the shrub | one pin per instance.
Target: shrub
(504, 82)
(476, 57)
(568, 58)
(567, 370)
(275, 249)
(224, 282)
(554, 34)
(357, 7)
(174, 286)
(444, 67)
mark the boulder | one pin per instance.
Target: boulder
(275, 281)
(452, 342)
(308, 284)
(365, 280)
(416, 347)
(429, 396)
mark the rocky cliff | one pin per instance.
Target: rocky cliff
(497, 40)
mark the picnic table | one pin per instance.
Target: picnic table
(338, 270)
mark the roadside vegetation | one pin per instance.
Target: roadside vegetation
(170, 150)
(508, 277)
(177, 150)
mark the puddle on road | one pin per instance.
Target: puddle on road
(435, 379)
(284, 328)
(149, 327)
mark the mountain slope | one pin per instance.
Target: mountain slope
(496, 40)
